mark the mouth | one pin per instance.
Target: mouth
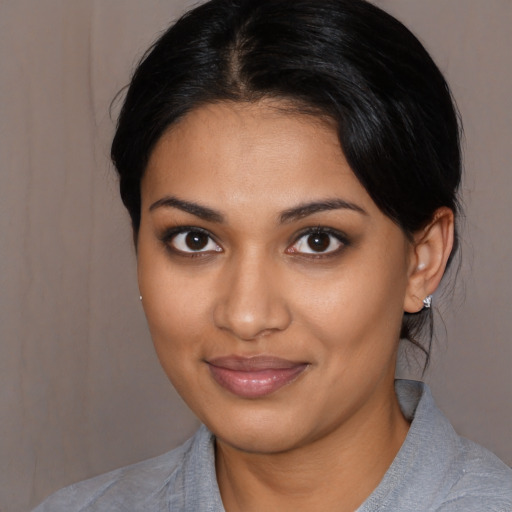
(254, 377)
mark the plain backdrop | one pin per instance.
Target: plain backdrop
(81, 391)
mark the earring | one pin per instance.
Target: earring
(140, 297)
(427, 302)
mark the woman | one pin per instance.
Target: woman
(291, 170)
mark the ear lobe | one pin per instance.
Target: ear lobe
(430, 252)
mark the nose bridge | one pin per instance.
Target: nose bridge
(252, 302)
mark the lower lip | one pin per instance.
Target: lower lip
(255, 384)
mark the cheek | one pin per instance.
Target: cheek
(176, 311)
(359, 303)
(172, 303)
(174, 318)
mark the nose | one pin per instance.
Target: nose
(251, 302)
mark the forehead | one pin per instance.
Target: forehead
(232, 154)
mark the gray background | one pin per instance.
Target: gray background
(81, 391)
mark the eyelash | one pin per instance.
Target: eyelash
(170, 235)
(320, 230)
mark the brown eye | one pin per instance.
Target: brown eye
(196, 241)
(319, 242)
(193, 242)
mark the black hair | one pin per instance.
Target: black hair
(346, 60)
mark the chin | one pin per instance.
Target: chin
(265, 429)
(259, 441)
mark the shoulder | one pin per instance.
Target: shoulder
(135, 487)
(480, 482)
(436, 470)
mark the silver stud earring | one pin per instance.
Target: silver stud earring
(427, 302)
(140, 297)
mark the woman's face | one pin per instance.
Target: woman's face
(273, 286)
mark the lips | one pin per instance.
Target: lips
(254, 377)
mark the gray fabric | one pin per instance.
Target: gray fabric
(435, 470)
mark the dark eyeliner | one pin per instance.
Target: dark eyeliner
(167, 235)
(339, 235)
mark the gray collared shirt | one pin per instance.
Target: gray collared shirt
(435, 470)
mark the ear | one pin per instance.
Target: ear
(430, 250)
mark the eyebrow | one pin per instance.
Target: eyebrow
(193, 208)
(298, 212)
(306, 209)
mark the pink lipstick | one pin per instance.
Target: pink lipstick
(254, 377)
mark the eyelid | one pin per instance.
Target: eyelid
(170, 234)
(338, 235)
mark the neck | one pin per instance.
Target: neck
(336, 472)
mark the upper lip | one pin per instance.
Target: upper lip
(254, 363)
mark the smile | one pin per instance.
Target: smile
(254, 377)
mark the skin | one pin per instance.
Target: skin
(257, 288)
